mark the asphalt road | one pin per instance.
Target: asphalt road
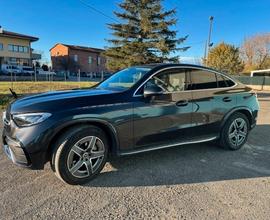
(198, 181)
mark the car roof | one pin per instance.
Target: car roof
(165, 65)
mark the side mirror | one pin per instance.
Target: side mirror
(152, 91)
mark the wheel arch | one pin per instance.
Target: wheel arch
(109, 130)
(244, 110)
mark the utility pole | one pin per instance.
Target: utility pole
(209, 43)
(205, 52)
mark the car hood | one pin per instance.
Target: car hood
(53, 101)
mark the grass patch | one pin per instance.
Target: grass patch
(4, 100)
(22, 88)
(38, 87)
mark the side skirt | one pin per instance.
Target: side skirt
(141, 150)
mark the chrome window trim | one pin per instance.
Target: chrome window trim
(187, 67)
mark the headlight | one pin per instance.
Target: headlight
(24, 120)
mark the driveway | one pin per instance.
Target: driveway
(199, 181)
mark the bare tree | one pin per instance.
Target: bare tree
(255, 52)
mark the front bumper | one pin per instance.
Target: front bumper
(19, 156)
(15, 152)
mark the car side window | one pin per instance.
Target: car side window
(170, 81)
(202, 79)
(223, 81)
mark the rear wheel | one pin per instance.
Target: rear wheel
(235, 132)
(80, 154)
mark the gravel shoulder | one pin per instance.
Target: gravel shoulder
(198, 181)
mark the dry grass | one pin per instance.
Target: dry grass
(37, 87)
(22, 88)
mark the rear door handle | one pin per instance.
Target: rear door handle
(227, 99)
(182, 103)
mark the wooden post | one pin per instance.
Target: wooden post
(35, 69)
(11, 79)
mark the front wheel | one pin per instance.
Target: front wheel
(80, 154)
(235, 132)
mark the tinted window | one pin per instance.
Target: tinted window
(202, 79)
(224, 81)
(170, 81)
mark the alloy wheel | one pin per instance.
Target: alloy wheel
(238, 131)
(85, 156)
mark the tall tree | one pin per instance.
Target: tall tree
(255, 51)
(143, 36)
(226, 58)
(45, 67)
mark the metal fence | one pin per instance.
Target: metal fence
(255, 80)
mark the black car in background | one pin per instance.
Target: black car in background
(138, 109)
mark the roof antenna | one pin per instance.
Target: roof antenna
(13, 93)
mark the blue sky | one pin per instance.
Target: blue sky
(71, 22)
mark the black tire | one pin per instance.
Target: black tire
(64, 147)
(225, 140)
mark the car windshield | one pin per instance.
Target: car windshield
(124, 79)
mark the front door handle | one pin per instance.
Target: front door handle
(227, 99)
(182, 103)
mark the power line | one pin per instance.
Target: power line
(98, 11)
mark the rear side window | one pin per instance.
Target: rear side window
(202, 79)
(224, 81)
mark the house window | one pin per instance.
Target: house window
(10, 47)
(90, 60)
(1, 46)
(98, 61)
(25, 49)
(13, 60)
(21, 49)
(15, 48)
(76, 58)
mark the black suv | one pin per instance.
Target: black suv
(138, 109)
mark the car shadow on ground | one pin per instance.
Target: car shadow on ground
(194, 163)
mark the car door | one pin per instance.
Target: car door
(163, 118)
(211, 101)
